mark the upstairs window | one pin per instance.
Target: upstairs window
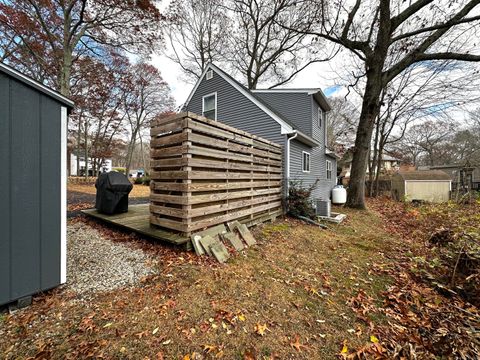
(209, 106)
(329, 170)
(305, 162)
(320, 117)
(209, 74)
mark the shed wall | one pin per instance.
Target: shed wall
(432, 191)
(30, 209)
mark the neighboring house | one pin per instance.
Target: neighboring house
(102, 165)
(466, 176)
(136, 173)
(294, 118)
(389, 165)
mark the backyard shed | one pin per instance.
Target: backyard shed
(431, 185)
(33, 133)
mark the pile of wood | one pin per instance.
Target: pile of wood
(212, 241)
(206, 173)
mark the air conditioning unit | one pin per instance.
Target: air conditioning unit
(323, 207)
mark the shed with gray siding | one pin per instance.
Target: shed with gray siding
(33, 121)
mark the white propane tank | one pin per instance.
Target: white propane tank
(339, 195)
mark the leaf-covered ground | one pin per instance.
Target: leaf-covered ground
(302, 293)
(137, 191)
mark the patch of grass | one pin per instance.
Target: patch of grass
(297, 282)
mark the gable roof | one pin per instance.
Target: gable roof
(36, 85)
(425, 175)
(286, 126)
(316, 92)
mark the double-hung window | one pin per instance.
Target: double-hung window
(305, 162)
(209, 106)
(329, 170)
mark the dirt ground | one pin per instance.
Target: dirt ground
(301, 293)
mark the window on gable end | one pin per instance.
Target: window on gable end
(209, 106)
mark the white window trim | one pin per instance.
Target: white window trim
(328, 167)
(309, 162)
(209, 74)
(203, 104)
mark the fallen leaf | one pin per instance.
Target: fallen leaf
(373, 339)
(209, 348)
(260, 329)
(296, 344)
(155, 331)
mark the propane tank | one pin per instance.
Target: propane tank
(339, 195)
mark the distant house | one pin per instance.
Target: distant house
(466, 175)
(389, 165)
(77, 168)
(294, 118)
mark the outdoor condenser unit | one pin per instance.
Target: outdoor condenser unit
(323, 207)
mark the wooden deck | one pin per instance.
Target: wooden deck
(137, 219)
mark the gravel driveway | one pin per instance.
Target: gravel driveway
(98, 264)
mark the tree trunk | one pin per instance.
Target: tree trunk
(372, 163)
(368, 115)
(376, 191)
(130, 149)
(86, 148)
(79, 138)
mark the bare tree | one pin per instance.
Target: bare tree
(147, 95)
(261, 49)
(54, 34)
(387, 38)
(196, 34)
(244, 35)
(342, 122)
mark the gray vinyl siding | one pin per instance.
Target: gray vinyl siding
(294, 107)
(234, 109)
(317, 174)
(299, 109)
(30, 208)
(318, 159)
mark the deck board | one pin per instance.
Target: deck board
(137, 219)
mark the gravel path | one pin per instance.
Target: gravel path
(98, 264)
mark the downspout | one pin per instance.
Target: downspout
(287, 160)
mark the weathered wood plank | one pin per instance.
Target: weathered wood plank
(206, 175)
(141, 215)
(195, 187)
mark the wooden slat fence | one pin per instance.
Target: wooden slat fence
(205, 173)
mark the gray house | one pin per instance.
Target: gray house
(33, 149)
(295, 118)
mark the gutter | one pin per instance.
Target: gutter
(287, 160)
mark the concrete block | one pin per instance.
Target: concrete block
(207, 241)
(197, 246)
(246, 235)
(220, 252)
(234, 240)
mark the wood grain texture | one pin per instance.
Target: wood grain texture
(205, 173)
